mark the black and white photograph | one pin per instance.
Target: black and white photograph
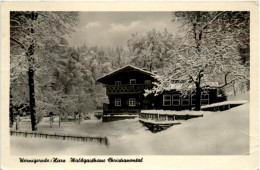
(152, 83)
(129, 82)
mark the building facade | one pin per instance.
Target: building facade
(125, 89)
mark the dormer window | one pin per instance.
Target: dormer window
(117, 82)
(132, 81)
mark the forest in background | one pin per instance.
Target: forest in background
(64, 77)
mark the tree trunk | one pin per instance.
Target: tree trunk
(30, 53)
(198, 91)
(11, 111)
(198, 98)
(50, 121)
(79, 117)
(32, 98)
(17, 122)
(11, 115)
(234, 89)
(59, 120)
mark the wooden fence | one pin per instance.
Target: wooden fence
(166, 117)
(101, 140)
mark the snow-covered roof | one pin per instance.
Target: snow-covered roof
(178, 86)
(211, 84)
(225, 103)
(123, 68)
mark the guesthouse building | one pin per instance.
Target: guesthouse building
(126, 86)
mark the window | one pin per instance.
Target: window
(185, 101)
(176, 100)
(193, 99)
(132, 102)
(167, 100)
(147, 82)
(117, 102)
(117, 82)
(132, 81)
(204, 98)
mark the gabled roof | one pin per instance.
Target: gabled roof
(177, 84)
(125, 68)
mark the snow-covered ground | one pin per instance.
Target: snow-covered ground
(215, 133)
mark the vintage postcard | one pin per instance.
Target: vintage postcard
(129, 85)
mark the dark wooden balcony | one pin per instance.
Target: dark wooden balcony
(127, 88)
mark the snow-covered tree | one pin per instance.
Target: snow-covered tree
(33, 32)
(206, 50)
(149, 50)
(74, 79)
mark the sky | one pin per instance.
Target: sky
(115, 28)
